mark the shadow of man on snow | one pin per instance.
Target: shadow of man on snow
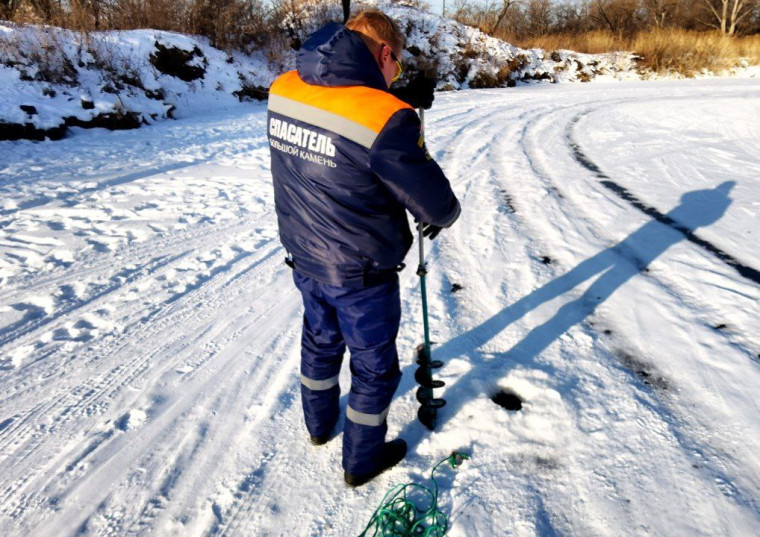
(613, 267)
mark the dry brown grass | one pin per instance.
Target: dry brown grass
(683, 51)
(590, 42)
(241, 24)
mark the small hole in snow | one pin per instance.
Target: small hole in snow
(508, 399)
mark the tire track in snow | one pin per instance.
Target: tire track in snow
(744, 270)
(95, 263)
(99, 446)
(117, 378)
(71, 197)
(252, 383)
(690, 235)
(572, 213)
(246, 390)
(91, 271)
(35, 321)
(171, 468)
(135, 271)
(141, 332)
(706, 454)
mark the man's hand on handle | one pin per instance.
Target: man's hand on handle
(430, 231)
(418, 93)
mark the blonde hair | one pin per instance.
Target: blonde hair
(376, 29)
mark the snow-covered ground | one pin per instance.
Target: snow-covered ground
(149, 331)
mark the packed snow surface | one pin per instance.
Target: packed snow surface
(607, 255)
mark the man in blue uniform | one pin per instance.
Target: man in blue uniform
(348, 161)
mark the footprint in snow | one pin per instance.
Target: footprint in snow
(131, 420)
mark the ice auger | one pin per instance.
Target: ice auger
(429, 405)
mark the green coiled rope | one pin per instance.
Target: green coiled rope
(399, 516)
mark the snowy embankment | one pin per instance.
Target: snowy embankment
(52, 79)
(608, 263)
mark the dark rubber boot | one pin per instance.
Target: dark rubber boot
(394, 453)
(320, 440)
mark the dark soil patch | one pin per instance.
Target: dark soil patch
(114, 122)
(508, 202)
(642, 371)
(27, 131)
(157, 95)
(456, 287)
(174, 62)
(252, 93)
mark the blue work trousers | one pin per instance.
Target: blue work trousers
(366, 320)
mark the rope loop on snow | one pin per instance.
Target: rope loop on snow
(399, 516)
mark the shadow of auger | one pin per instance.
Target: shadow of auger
(613, 267)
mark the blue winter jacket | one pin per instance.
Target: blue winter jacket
(348, 160)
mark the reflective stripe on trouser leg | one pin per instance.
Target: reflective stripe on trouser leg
(371, 420)
(319, 385)
(369, 320)
(322, 350)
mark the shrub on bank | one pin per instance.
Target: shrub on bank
(669, 50)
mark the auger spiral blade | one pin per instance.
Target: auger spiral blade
(425, 398)
(423, 378)
(432, 364)
(428, 412)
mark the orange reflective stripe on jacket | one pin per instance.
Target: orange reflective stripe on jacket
(358, 113)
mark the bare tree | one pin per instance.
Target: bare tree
(661, 12)
(503, 13)
(572, 17)
(472, 15)
(45, 9)
(538, 14)
(96, 8)
(618, 16)
(729, 13)
(8, 8)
